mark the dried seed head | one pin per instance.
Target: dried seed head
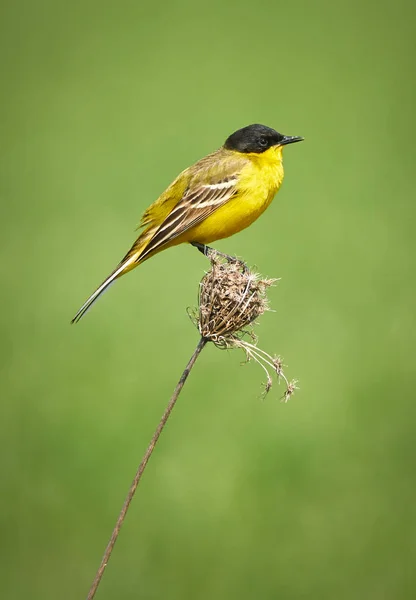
(290, 390)
(231, 298)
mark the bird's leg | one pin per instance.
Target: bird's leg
(207, 251)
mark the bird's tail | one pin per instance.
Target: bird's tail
(123, 267)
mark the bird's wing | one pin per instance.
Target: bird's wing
(204, 194)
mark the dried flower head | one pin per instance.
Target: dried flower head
(231, 297)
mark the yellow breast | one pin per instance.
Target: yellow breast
(258, 183)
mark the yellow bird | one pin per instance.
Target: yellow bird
(218, 196)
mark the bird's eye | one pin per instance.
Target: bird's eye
(263, 142)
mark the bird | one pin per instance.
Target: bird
(218, 196)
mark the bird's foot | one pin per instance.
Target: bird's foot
(210, 252)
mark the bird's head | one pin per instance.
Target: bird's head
(257, 139)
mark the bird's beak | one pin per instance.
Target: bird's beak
(290, 139)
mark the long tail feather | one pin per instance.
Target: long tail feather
(103, 287)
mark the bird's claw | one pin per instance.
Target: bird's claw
(209, 252)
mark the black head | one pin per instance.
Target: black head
(257, 138)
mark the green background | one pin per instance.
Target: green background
(103, 103)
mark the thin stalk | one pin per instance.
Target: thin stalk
(202, 342)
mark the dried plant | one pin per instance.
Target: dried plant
(230, 299)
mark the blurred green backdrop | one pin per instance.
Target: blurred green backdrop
(103, 103)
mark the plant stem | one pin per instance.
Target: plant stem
(202, 342)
